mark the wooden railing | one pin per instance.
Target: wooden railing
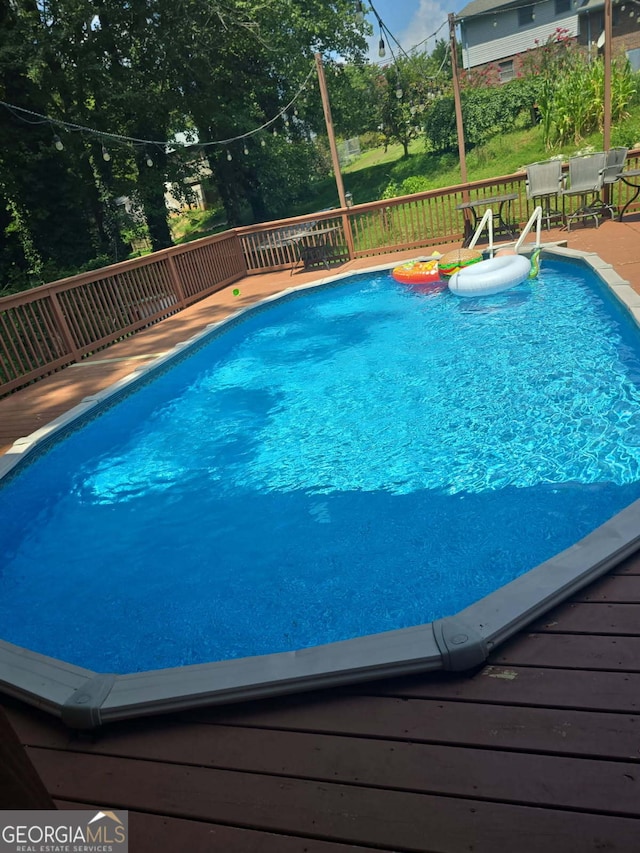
(48, 327)
(54, 325)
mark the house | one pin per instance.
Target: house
(495, 32)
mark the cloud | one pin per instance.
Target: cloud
(429, 16)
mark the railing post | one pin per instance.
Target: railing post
(348, 235)
(63, 327)
(176, 282)
(238, 246)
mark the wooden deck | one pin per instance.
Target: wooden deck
(538, 752)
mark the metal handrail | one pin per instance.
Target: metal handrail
(536, 217)
(487, 218)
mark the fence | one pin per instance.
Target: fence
(46, 328)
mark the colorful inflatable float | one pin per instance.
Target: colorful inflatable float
(494, 275)
(458, 259)
(417, 272)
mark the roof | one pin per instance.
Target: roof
(485, 7)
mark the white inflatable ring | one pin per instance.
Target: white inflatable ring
(492, 276)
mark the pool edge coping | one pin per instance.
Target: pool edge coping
(84, 699)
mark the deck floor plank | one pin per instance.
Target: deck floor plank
(621, 589)
(599, 618)
(514, 777)
(550, 730)
(534, 686)
(575, 651)
(150, 833)
(328, 811)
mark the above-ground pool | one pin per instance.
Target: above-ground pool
(276, 506)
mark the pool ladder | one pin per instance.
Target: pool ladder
(487, 219)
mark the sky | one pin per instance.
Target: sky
(411, 21)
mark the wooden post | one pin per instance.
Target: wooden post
(176, 283)
(326, 106)
(608, 35)
(456, 97)
(329, 123)
(459, 123)
(63, 327)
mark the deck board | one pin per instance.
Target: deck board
(560, 731)
(572, 651)
(498, 775)
(150, 833)
(401, 820)
(578, 618)
(533, 686)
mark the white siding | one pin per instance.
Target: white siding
(483, 42)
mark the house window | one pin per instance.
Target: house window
(634, 58)
(525, 15)
(563, 6)
(505, 70)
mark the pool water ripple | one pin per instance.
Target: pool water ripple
(355, 459)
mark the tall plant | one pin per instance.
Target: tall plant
(571, 97)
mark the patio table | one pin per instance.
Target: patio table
(314, 248)
(504, 227)
(626, 178)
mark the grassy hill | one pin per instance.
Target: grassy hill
(378, 171)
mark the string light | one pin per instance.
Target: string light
(229, 155)
(57, 143)
(169, 143)
(149, 161)
(105, 155)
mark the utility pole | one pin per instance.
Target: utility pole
(456, 96)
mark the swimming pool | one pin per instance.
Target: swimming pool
(310, 475)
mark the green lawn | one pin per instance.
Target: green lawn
(379, 170)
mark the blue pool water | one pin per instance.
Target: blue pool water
(350, 460)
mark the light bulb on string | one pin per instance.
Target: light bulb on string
(263, 143)
(105, 155)
(245, 150)
(399, 92)
(149, 161)
(57, 143)
(275, 132)
(381, 51)
(229, 155)
(359, 12)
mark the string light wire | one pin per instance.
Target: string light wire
(19, 112)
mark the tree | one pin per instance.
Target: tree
(405, 89)
(134, 74)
